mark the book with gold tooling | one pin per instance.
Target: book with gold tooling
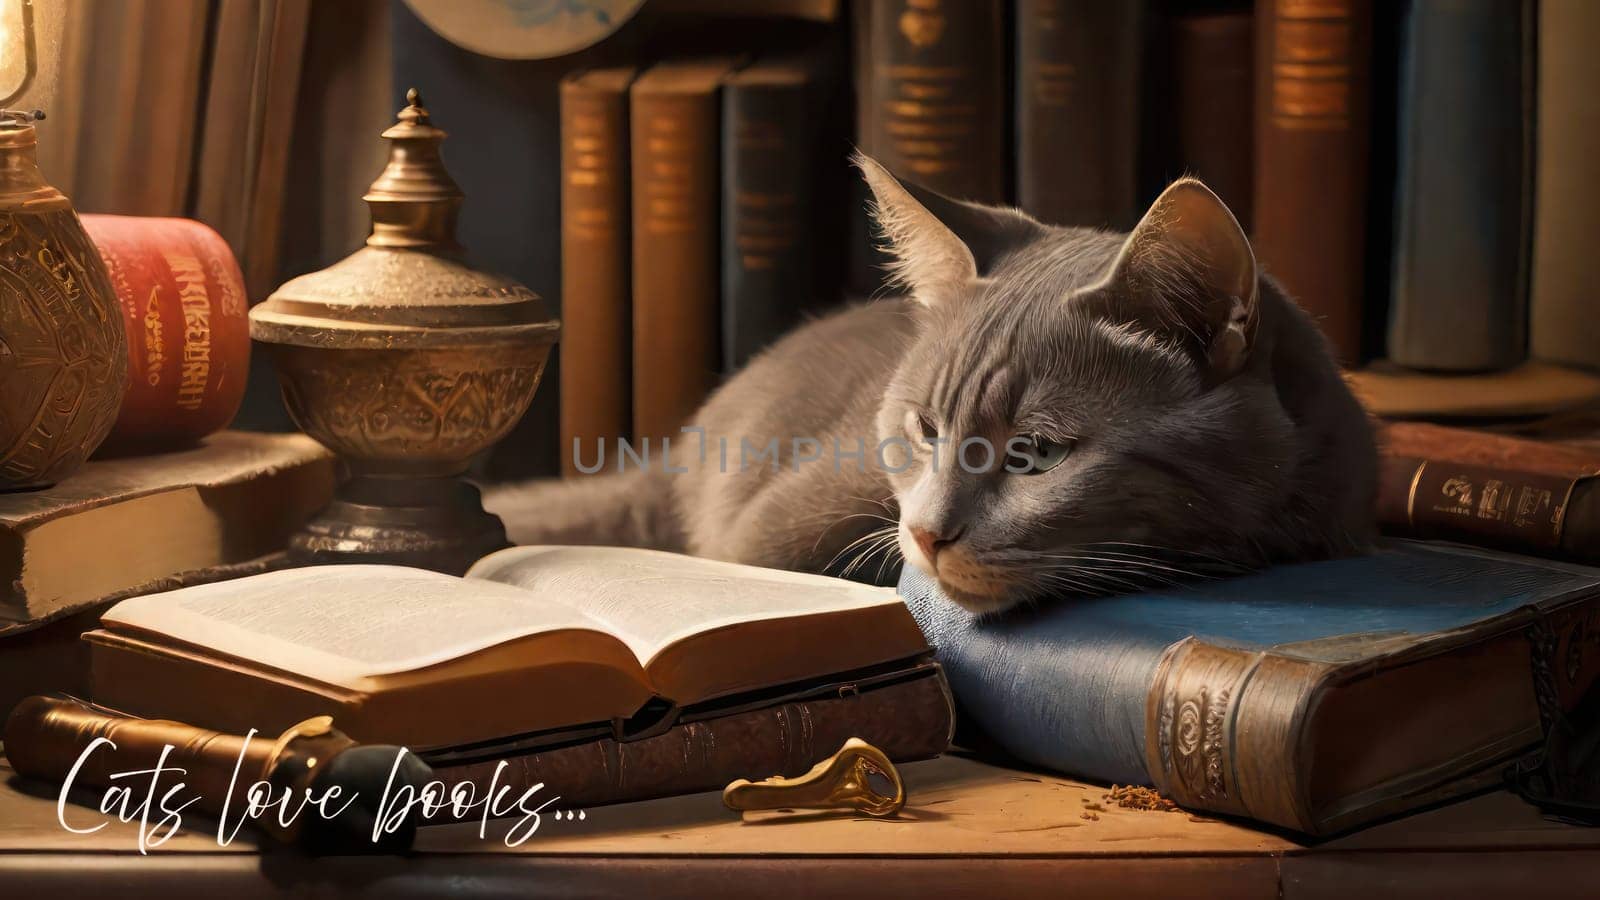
(1313, 65)
(1492, 490)
(183, 300)
(674, 132)
(596, 263)
(535, 648)
(1317, 696)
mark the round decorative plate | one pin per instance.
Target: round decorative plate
(524, 29)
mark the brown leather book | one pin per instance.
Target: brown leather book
(675, 130)
(533, 640)
(933, 106)
(1488, 489)
(596, 262)
(1213, 81)
(908, 714)
(122, 522)
(1077, 107)
(1312, 59)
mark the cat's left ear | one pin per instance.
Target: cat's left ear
(1188, 268)
(940, 245)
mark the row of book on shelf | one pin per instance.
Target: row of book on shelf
(695, 199)
(1414, 173)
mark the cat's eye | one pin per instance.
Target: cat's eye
(1033, 454)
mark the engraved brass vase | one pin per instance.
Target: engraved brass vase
(406, 361)
(63, 347)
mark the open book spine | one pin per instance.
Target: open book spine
(907, 720)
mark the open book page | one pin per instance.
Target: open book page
(652, 599)
(341, 624)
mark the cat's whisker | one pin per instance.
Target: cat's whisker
(874, 535)
(1180, 566)
(860, 561)
(1127, 573)
(885, 502)
(868, 544)
(845, 518)
(1165, 551)
(1110, 577)
(1048, 581)
(1134, 563)
(892, 554)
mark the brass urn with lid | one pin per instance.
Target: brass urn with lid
(406, 360)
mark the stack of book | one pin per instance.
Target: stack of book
(607, 673)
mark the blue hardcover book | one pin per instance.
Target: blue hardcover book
(1463, 190)
(1315, 696)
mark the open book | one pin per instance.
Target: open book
(533, 638)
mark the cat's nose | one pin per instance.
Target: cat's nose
(931, 543)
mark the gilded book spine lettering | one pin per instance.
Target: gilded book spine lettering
(1311, 156)
(1440, 483)
(183, 301)
(769, 189)
(676, 303)
(935, 113)
(595, 262)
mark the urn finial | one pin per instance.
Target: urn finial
(414, 201)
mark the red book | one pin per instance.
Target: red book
(183, 299)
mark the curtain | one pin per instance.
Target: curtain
(198, 108)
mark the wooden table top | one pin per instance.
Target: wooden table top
(969, 827)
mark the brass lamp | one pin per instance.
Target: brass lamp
(406, 361)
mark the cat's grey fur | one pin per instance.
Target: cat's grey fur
(1207, 420)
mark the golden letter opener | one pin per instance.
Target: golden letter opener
(839, 782)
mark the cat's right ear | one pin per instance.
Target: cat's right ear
(1188, 269)
(939, 245)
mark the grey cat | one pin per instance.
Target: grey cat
(1134, 408)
